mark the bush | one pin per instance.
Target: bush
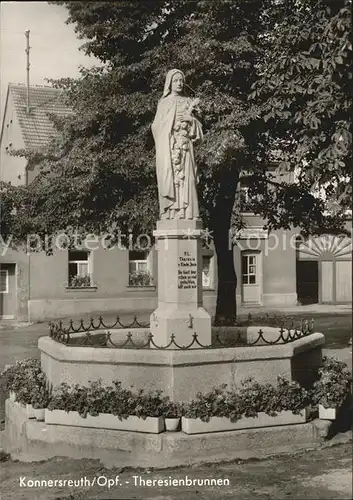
(291, 396)
(122, 401)
(40, 395)
(26, 379)
(211, 404)
(149, 404)
(115, 400)
(69, 398)
(171, 409)
(333, 384)
(17, 375)
(248, 400)
(30, 385)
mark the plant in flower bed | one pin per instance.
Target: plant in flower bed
(291, 396)
(26, 379)
(17, 375)
(69, 398)
(92, 400)
(149, 404)
(115, 400)
(171, 409)
(122, 401)
(333, 384)
(38, 392)
(205, 406)
(40, 398)
(248, 400)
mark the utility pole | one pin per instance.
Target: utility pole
(27, 32)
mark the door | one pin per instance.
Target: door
(327, 282)
(343, 281)
(7, 291)
(308, 281)
(251, 278)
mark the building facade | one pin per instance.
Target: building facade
(282, 268)
(265, 264)
(271, 268)
(324, 269)
(36, 286)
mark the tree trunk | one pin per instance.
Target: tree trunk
(226, 308)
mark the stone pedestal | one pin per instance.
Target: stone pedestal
(179, 373)
(180, 310)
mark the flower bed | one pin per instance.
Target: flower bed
(27, 384)
(217, 424)
(97, 400)
(153, 425)
(252, 405)
(113, 407)
(332, 387)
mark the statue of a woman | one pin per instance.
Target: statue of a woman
(175, 130)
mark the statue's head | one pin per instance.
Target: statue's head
(174, 82)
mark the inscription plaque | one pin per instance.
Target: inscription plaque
(187, 271)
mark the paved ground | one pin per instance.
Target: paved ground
(320, 474)
(19, 339)
(305, 311)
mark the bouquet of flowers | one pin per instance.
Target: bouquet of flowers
(194, 106)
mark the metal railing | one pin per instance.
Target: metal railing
(93, 324)
(103, 339)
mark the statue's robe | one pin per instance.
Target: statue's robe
(162, 129)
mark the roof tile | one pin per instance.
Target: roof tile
(36, 126)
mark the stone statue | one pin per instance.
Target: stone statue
(175, 130)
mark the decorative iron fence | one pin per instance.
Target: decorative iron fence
(93, 325)
(103, 339)
(99, 324)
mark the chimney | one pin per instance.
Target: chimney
(27, 32)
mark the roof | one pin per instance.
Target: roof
(36, 126)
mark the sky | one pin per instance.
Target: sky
(54, 47)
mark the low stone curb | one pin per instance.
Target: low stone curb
(339, 439)
(322, 426)
(29, 440)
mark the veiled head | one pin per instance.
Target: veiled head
(172, 80)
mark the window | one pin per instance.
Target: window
(79, 268)
(249, 269)
(207, 272)
(138, 261)
(4, 281)
(139, 268)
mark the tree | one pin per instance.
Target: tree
(304, 90)
(99, 174)
(104, 159)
